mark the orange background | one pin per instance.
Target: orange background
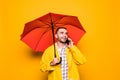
(100, 45)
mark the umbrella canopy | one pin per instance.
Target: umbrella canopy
(39, 33)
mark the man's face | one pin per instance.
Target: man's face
(62, 35)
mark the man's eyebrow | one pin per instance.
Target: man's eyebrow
(66, 32)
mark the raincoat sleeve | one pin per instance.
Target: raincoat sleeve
(45, 62)
(77, 55)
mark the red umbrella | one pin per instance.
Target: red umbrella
(39, 33)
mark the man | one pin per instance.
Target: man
(70, 54)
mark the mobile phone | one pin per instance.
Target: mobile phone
(67, 41)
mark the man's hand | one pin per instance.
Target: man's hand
(70, 43)
(54, 62)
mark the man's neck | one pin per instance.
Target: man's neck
(60, 45)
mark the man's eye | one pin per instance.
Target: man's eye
(61, 32)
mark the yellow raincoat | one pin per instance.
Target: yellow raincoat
(74, 57)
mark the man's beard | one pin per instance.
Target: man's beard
(63, 42)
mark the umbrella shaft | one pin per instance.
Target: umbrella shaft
(53, 39)
(53, 35)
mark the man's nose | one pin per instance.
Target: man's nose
(65, 35)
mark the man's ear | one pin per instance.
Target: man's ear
(56, 36)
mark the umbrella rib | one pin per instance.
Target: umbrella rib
(31, 30)
(70, 24)
(45, 22)
(57, 22)
(59, 19)
(41, 37)
(73, 26)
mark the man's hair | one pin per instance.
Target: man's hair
(60, 28)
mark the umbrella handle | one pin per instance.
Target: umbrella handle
(59, 61)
